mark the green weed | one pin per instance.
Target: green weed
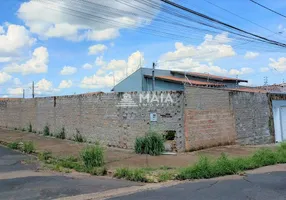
(46, 131)
(93, 156)
(13, 145)
(61, 134)
(78, 137)
(28, 147)
(152, 144)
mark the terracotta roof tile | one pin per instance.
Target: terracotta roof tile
(210, 76)
(183, 80)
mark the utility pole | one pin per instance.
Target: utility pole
(236, 82)
(23, 93)
(153, 77)
(265, 80)
(33, 90)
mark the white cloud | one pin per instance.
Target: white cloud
(87, 66)
(96, 49)
(5, 59)
(52, 20)
(99, 61)
(68, 70)
(15, 38)
(17, 81)
(199, 58)
(65, 84)
(45, 87)
(2, 31)
(213, 48)
(113, 72)
(15, 91)
(251, 55)
(264, 69)
(279, 65)
(107, 34)
(36, 65)
(242, 71)
(4, 77)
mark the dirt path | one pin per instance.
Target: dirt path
(120, 157)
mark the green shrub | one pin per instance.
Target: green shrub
(138, 175)
(165, 176)
(93, 156)
(46, 131)
(225, 166)
(61, 134)
(30, 128)
(44, 156)
(140, 145)
(264, 157)
(28, 147)
(13, 145)
(202, 169)
(98, 171)
(78, 137)
(152, 143)
(23, 129)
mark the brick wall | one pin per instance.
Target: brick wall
(97, 116)
(201, 117)
(252, 115)
(208, 118)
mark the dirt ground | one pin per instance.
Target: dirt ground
(120, 157)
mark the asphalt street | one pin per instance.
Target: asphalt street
(20, 181)
(252, 187)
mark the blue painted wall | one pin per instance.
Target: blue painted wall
(137, 81)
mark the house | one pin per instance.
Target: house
(142, 80)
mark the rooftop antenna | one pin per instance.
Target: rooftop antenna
(266, 82)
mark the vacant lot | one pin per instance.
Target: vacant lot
(120, 157)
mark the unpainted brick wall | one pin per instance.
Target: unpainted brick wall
(252, 115)
(209, 118)
(97, 117)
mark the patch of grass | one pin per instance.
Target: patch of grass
(61, 134)
(13, 145)
(93, 156)
(165, 176)
(152, 144)
(78, 137)
(28, 147)
(98, 171)
(138, 175)
(46, 131)
(45, 156)
(30, 128)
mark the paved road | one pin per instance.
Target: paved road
(20, 181)
(253, 187)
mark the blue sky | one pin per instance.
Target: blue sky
(66, 55)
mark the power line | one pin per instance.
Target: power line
(170, 23)
(268, 8)
(258, 25)
(263, 39)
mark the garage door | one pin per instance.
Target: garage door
(283, 122)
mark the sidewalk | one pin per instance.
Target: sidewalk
(119, 157)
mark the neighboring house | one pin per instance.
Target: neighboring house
(141, 80)
(280, 88)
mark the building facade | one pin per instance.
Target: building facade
(166, 80)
